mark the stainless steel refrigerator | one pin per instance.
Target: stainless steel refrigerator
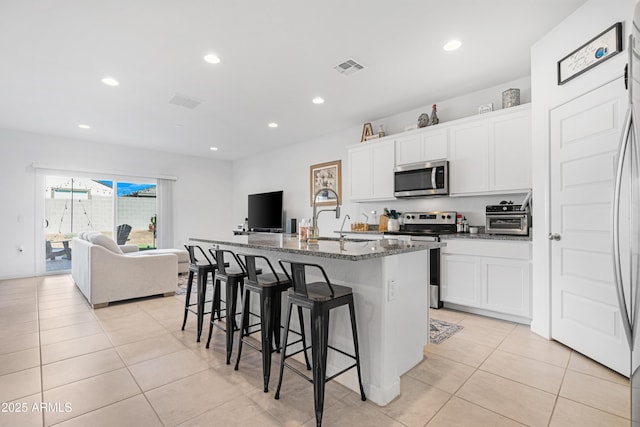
(626, 217)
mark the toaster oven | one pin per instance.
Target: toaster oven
(507, 219)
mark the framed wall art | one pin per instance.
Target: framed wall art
(325, 175)
(602, 47)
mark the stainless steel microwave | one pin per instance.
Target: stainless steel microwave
(422, 179)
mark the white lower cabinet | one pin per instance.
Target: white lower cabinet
(492, 276)
(461, 279)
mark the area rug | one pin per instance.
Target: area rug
(440, 330)
(182, 284)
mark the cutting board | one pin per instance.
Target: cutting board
(383, 223)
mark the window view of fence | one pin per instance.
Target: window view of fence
(136, 214)
(73, 205)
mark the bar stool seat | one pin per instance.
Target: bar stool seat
(234, 283)
(319, 298)
(202, 268)
(269, 288)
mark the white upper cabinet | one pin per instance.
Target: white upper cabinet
(469, 158)
(510, 152)
(488, 154)
(421, 146)
(371, 171)
(359, 164)
(492, 154)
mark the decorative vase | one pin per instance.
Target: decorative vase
(510, 98)
(393, 224)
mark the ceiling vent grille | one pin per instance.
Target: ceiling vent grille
(348, 67)
(185, 101)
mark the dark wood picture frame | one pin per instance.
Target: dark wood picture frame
(591, 54)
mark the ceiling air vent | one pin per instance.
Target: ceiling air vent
(185, 101)
(348, 67)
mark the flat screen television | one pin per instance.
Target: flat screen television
(265, 212)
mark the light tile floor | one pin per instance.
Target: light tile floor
(131, 365)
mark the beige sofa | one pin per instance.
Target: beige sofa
(105, 272)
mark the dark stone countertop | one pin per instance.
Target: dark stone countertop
(478, 236)
(350, 249)
(484, 236)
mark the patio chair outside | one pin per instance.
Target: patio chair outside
(122, 234)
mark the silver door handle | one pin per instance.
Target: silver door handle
(615, 226)
(555, 236)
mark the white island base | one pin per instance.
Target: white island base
(392, 314)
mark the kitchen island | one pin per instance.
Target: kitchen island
(390, 281)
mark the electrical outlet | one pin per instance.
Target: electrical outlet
(392, 290)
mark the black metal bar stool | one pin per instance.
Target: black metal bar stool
(269, 287)
(319, 298)
(234, 281)
(201, 267)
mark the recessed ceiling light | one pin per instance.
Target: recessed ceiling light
(84, 126)
(213, 148)
(452, 45)
(318, 100)
(273, 125)
(211, 58)
(110, 81)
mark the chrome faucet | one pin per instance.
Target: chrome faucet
(346, 217)
(316, 212)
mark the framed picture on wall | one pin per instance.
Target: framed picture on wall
(598, 49)
(323, 176)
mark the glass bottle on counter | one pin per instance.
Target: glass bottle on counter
(313, 234)
(465, 225)
(303, 229)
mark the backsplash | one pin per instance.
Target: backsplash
(472, 207)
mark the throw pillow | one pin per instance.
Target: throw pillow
(88, 234)
(106, 242)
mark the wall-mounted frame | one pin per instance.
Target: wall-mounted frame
(325, 175)
(600, 48)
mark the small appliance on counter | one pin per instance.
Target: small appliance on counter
(508, 219)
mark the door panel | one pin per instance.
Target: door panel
(584, 136)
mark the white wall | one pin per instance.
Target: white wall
(588, 21)
(200, 193)
(288, 168)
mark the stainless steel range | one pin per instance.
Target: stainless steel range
(429, 226)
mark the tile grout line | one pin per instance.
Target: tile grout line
(93, 376)
(130, 373)
(40, 349)
(476, 369)
(555, 402)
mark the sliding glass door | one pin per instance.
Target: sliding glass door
(136, 214)
(73, 205)
(124, 210)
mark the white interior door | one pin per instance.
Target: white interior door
(584, 135)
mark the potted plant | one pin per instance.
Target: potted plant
(392, 224)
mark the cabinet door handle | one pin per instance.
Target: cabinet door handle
(555, 236)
